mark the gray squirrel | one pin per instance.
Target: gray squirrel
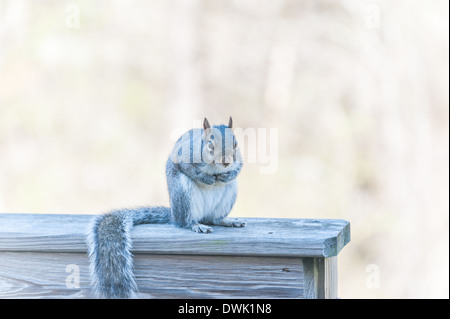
(201, 178)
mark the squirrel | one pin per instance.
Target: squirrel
(201, 176)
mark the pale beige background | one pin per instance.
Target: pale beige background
(92, 94)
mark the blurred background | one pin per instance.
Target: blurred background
(94, 93)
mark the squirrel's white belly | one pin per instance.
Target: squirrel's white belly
(211, 202)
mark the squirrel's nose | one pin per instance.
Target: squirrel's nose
(227, 161)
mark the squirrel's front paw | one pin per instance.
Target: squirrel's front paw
(226, 177)
(238, 223)
(208, 179)
(200, 228)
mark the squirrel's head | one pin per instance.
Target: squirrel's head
(219, 144)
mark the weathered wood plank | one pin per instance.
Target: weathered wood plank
(48, 275)
(261, 237)
(311, 273)
(187, 276)
(330, 283)
(320, 278)
(43, 275)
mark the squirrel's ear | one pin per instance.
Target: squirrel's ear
(206, 129)
(230, 123)
(206, 124)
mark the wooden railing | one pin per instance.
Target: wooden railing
(44, 256)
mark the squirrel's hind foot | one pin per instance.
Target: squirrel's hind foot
(231, 222)
(200, 228)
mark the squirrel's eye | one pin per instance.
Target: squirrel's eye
(210, 146)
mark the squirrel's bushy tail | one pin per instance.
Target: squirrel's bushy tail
(109, 248)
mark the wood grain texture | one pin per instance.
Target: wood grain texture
(320, 278)
(261, 237)
(187, 276)
(44, 275)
